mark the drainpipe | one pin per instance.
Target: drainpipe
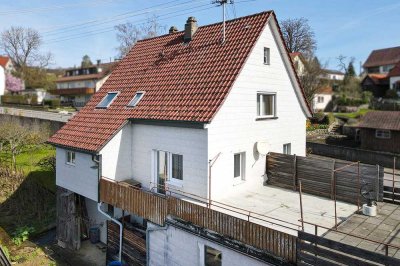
(120, 228)
(148, 240)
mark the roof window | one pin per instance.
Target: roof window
(107, 100)
(138, 96)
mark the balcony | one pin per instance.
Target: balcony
(74, 91)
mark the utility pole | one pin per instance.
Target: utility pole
(223, 4)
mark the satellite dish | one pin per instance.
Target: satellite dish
(263, 147)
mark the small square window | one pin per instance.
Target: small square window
(320, 99)
(138, 96)
(266, 56)
(239, 165)
(212, 256)
(287, 148)
(107, 100)
(266, 105)
(71, 157)
(382, 134)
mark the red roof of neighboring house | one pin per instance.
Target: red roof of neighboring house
(395, 72)
(182, 82)
(389, 120)
(294, 54)
(382, 57)
(325, 90)
(3, 61)
(377, 78)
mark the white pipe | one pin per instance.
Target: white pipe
(120, 229)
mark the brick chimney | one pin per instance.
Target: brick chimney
(173, 29)
(190, 29)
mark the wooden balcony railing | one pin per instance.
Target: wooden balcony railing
(155, 208)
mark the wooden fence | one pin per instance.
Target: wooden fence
(155, 208)
(316, 250)
(321, 176)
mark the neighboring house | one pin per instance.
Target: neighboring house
(299, 63)
(394, 78)
(39, 94)
(2, 81)
(77, 85)
(380, 131)
(378, 84)
(185, 111)
(322, 98)
(332, 74)
(382, 61)
(7, 64)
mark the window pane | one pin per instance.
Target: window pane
(237, 163)
(162, 170)
(266, 55)
(267, 105)
(136, 99)
(177, 166)
(107, 100)
(212, 257)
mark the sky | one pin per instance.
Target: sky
(71, 29)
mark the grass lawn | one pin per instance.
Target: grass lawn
(353, 115)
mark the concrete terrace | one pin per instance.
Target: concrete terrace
(385, 227)
(284, 205)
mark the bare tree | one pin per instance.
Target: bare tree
(22, 45)
(311, 79)
(298, 36)
(128, 34)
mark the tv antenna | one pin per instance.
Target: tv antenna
(223, 3)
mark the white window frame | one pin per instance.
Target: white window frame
(287, 148)
(108, 105)
(138, 100)
(267, 56)
(242, 176)
(70, 157)
(171, 180)
(260, 103)
(382, 134)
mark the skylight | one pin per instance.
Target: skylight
(107, 100)
(138, 96)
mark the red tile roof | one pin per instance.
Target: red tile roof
(4, 61)
(389, 120)
(325, 90)
(382, 57)
(395, 72)
(377, 78)
(182, 82)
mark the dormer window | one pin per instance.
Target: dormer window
(138, 96)
(107, 100)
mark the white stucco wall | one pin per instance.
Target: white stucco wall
(165, 244)
(117, 159)
(79, 178)
(321, 106)
(393, 81)
(235, 129)
(189, 142)
(2, 81)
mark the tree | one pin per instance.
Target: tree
(350, 69)
(22, 45)
(128, 34)
(13, 84)
(311, 80)
(86, 62)
(36, 77)
(16, 137)
(298, 36)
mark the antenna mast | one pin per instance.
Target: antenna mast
(223, 4)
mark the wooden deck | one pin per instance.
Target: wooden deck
(155, 208)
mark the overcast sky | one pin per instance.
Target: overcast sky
(73, 28)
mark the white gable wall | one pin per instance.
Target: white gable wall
(321, 105)
(235, 129)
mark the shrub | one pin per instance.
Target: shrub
(320, 116)
(53, 103)
(22, 234)
(391, 94)
(48, 163)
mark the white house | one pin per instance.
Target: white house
(7, 64)
(188, 112)
(332, 74)
(381, 61)
(322, 98)
(299, 63)
(394, 78)
(2, 81)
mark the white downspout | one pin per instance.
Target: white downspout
(120, 229)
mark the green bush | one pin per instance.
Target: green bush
(320, 116)
(53, 103)
(20, 99)
(22, 234)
